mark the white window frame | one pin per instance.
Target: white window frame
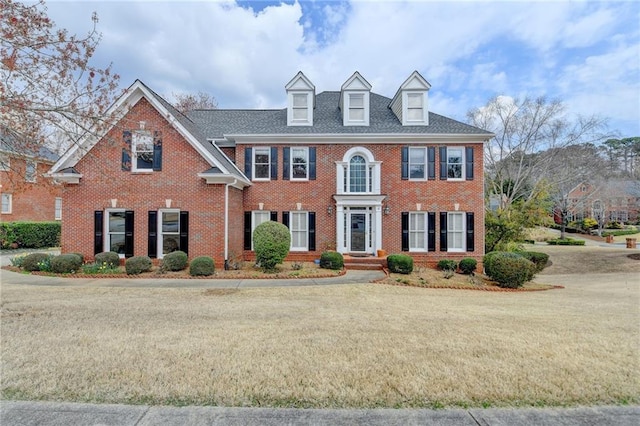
(408, 107)
(451, 231)
(5, 163)
(343, 172)
(295, 117)
(416, 218)
(294, 227)
(461, 163)
(424, 163)
(30, 176)
(136, 138)
(162, 233)
(255, 214)
(108, 232)
(254, 154)
(57, 207)
(8, 204)
(351, 104)
(293, 164)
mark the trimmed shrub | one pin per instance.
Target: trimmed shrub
(202, 266)
(36, 262)
(80, 255)
(29, 234)
(108, 258)
(137, 264)
(511, 270)
(66, 263)
(175, 261)
(468, 265)
(539, 259)
(332, 260)
(447, 265)
(565, 242)
(400, 263)
(271, 242)
(487, 261)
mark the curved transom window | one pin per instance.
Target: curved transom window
(358, 172)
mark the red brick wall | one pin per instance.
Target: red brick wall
(104, 180)
(31, 201)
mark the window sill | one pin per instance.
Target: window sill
(141, 172)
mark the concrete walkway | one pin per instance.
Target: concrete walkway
(57, 414)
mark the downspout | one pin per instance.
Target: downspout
(226, 223)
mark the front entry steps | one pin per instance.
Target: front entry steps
(364, 262)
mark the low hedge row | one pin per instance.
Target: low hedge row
(565, 242)
(29, 234)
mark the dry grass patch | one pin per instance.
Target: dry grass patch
(335, 346)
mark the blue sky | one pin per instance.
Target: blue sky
(586, 53)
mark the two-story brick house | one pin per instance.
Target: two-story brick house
(348, 170)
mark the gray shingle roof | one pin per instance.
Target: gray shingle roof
(327, 120)
(11, 145)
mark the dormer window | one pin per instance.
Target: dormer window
(415, 107)
(354, 101)
(410, 103)
(300, 101)
(356, 107)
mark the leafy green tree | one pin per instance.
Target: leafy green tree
(271, 242)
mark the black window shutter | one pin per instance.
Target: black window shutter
(312, 163)
(128, 233)
(152, 237)
(184, 232)
(285, 219)
(470, 236)
(157, 151)
(431, 162)
(286, 153)
(312, 231)
(431, 231)
(405, 164)
(274, 163)
(247, 230)
(443, 231)
(468, 155)
(126, 151)
(443, 163)
(247, 163)
(98, 223)
(274, 216)
(405, 231)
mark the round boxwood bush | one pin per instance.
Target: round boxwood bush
(202, 266)
(271, 242)
(108, 258)
(331, 260)
(66, 263)
(539, 259)
(447, 265)
(400, 263)
(175, 261)
(510, 270)
(137, 264)
(468, 265)
(36, 261)
(80, 255)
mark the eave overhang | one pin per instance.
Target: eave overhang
(360, 138)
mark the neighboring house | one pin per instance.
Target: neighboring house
(347, 170)
(27, 195)
(618, 200)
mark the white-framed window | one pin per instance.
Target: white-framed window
(261, 163)
(5, 163)
(358, 172)
(169, 227)
(258, 217)
(299, 163)
(418, 231)
(31, 171)
(455, 163)
(417, 163)
(299, 227)
(115, 231)
(356, 107)
(7, 203)
(58, 209)
(142, 150)
(358, 175)
(455, 232)
(415, 107)
(300, 107)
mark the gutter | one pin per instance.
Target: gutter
(226, 223)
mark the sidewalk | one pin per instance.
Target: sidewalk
(14, 413)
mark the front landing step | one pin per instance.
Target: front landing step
(365, 263)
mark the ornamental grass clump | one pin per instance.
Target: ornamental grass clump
(271, 242)
(175, 261)
(202, 266)
(137, 264)
(400, 263)
(331, 260)
(66, 263)
(110, 258)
